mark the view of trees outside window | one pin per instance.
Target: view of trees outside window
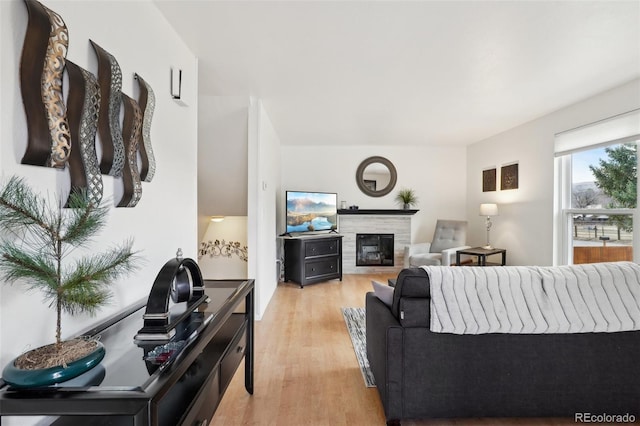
(603, 178)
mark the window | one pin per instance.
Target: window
(596, 192)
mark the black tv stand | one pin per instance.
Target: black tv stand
(313, 259)
(286, 234)
(333, 231)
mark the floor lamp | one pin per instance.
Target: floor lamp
(488, 210)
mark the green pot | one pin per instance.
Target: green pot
(19, 378)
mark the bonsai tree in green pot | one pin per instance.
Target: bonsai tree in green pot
(38, 239)
(407, 198)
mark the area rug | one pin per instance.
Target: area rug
(355, 320)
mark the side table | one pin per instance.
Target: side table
(482, 254)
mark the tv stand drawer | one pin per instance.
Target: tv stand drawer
(325, 246)
(319, 268)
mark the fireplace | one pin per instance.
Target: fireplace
(362, 221)
(374, 250)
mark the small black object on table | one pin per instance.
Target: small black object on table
(482, 254)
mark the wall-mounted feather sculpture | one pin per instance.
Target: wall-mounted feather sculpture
(131, 129)
(41, 67)
(147, 102)
(110, 80)
(82, 111)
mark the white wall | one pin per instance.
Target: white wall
(239, 175)
(525, 224)
(142, 41)
(269, 180)
(232, 228)
(222, 157)
(264, 185)
(437, 174)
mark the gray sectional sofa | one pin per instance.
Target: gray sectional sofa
(422, 374)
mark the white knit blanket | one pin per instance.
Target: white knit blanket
(599, 297)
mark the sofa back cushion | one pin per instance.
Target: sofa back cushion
(411, 283)
(414, 312)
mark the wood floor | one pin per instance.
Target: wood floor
(306, 372)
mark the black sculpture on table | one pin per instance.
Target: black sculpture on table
(181, 281)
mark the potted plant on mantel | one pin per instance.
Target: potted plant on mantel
(407, 198)
(38, 239)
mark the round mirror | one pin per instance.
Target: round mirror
(376, 176)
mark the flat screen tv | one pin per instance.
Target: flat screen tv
(311, 211)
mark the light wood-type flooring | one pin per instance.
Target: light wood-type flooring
(306, 372)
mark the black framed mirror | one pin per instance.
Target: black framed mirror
(376, 176)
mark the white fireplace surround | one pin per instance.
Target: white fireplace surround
(352, 224)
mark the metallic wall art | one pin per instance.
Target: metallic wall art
(41, 67)
(147, 102)
(110, 80)
(131, 130)
(223, 248)
(82, 112)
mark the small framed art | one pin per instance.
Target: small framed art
(489, 180)
(509, 177)
(371, 184)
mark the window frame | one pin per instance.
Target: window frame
(564, 212)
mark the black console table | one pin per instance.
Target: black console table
(130, 387)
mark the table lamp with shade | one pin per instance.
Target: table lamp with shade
(488, 210)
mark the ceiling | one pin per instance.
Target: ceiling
(408, 72)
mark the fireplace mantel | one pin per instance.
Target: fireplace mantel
(378, 211)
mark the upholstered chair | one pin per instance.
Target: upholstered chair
(449, 236)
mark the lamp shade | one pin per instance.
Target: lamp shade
(488, 209)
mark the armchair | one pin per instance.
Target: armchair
(448, 237)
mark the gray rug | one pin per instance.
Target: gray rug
(354, 318)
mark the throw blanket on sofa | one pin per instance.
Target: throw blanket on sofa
(599, 297)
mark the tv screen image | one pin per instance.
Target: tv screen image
(311, 211)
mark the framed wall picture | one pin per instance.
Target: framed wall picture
(371, 184)
(489, 180)
(509, 177)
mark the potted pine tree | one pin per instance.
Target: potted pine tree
(38, 239)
